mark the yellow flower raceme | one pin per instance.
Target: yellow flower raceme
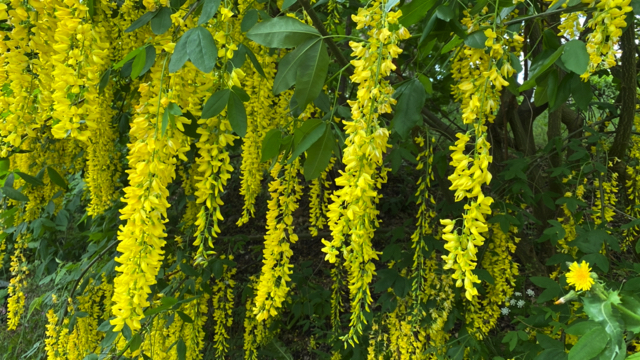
(579, 276)
(152, 162)
(353, 212)
(222, 308)
(480, 77)
(273, 285)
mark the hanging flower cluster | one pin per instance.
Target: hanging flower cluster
(353, 212)
(607, 23)
(479, 79)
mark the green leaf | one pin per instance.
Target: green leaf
(202, 49)
(390, 4)
(14, 194)
(181, 349)
(104, 80)
(165, 123)
(56, 178)
(282, 32)
(237, 114)
(209, 9)
(632, 304)
(427, 29)
(288, 67)
(29, 179)
(138, 64)
(216, 103)
(552, 354)
(484, 275)
(174, 109)
(135, 342)
(451, 44)
(589, 345)
(162, 21)
(307, 139)
(426, 83)
(531, 82)
(552, 289)
(581, 92)
(188, 270)
(249, 19)
(575, 56)
(319, 155)
(476, 40)
(563, 92)
(581, 328)
(168, 300)
(91, 356)
(547, 342)
(409, 108)
(241, 93)
(130, 55)
(143, 20)
(444, 12)
(180, 54)
(152, 311)
(287, 3)
(311, 74)
(271, 144)
(415, 11)
(598, 259)
(602, 312)
(186, 318)
(150, 58)
(253, 59)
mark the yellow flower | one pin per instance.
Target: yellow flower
(580, 276)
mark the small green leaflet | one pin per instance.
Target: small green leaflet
(162, 21)
(138, 64)
(282, 32)
(14, 194)
(415, 11)
(215, 104)
(409, 108)
(444, 12)
(186, 318)
(129, 56)
(319, 155)
(476, 40)
(575, 56)
(590, 344)
(271, 144)
(202, 49)
(249, 20)
(181, 349)
(180, 54)
(288, 67)
(56, 178)
(531, 82)
(305, 136)
(311, 76)
(209, 9)
(143, 20)
(236, 114)
(135, 342)
(104, 80)
(29, 179)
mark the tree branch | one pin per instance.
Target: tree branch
(317, 23)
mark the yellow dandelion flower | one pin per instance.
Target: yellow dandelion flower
(580, 276)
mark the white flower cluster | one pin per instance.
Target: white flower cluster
(515, 302)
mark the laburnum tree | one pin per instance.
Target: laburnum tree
(320, 179)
